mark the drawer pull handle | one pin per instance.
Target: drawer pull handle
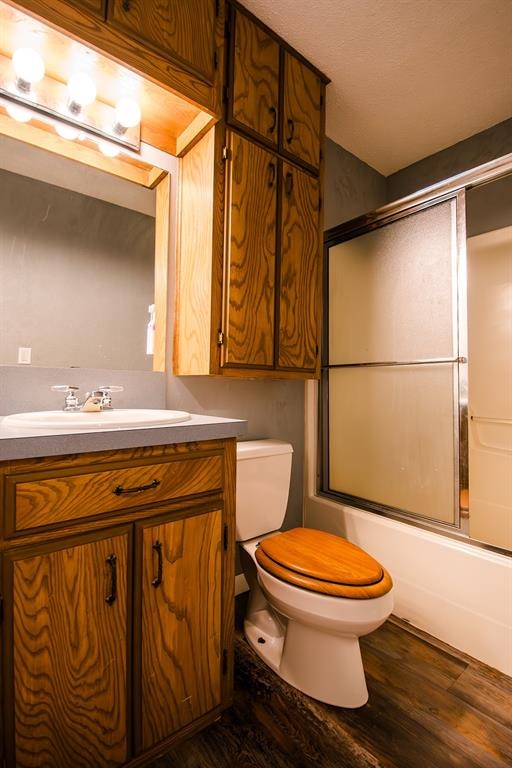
(112, 561)
(273, 114)
(157, 547)
(291, 131)
(119, 490)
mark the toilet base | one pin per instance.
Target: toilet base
(333, 673)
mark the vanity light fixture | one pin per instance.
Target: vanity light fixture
(29, 68)
(127, 115)
(81, 92)
(73, 111)
(20, 114)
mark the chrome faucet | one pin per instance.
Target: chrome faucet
(99, 399)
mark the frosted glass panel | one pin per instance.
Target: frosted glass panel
(390, 291)
(391, 437)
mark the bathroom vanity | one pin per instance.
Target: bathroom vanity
(117, 580)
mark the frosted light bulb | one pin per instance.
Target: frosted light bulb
(81, 90)
(18, 113)
(66, 131)
(108, 149)
(127, 114)
(28, 66)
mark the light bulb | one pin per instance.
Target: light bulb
(127, 114)
(81, 90)
(66, 131)
(18, 113)
(28, 66)
(108, 149)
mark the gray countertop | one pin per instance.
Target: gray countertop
(23, 443)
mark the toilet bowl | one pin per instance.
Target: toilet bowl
(312, 594)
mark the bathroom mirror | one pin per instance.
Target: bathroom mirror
(77, 252)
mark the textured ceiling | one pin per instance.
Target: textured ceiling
(408, 77)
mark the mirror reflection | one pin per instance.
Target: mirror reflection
(77, 250)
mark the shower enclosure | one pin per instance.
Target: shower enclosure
(416, 406)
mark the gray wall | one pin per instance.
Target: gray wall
(351, 187)
(467, 154)
(76, 277)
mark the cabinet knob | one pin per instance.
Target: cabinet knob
(288, 183)
(157, 547)
(273, 114)
(111, 597)
(291, 131)
(125, 5)
(271, 174)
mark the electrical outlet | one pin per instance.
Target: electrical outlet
(25, 355)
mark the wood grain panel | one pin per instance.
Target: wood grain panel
(255, 88)
(70, 657)
(181, 624)
(97, 7)
(194, 266)
(251, 254)
(184, 31)
(300, 271)
(70, 497)
(162, 234)
(301, 126)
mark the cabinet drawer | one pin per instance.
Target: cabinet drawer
(53, 498)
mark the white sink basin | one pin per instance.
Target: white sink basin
(78, 420)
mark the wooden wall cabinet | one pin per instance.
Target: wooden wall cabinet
(177, 31)
(273, 94)
(249, 284)
(117, 621)
(177, 44)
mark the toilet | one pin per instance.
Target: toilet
(312, 594)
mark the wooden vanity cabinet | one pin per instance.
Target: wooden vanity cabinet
(97, 7)
(273, 94)
(117, 629)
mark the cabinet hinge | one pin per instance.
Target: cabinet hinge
(217, 8)
(220, 339)
(225, 537)
(225, 94)
(1, 610)
(224, 662)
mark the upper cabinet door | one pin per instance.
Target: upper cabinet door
(67, 634)
(301, 124)
(250, 254)
(299, 281)
(254, 101)
(97, 7)
(181, 593)
(177, 30)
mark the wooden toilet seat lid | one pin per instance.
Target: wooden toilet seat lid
(323, 562)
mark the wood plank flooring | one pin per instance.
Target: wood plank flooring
(430, 707)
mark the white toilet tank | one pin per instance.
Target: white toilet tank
(262, 486)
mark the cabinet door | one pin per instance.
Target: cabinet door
(180, 656)
(66, 654)
(254, 97)
(299, 282)
(301, 126)
(181, 31)
(97, 7)
(250, 244)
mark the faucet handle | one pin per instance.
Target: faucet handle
(106, 394)
(71, 401)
